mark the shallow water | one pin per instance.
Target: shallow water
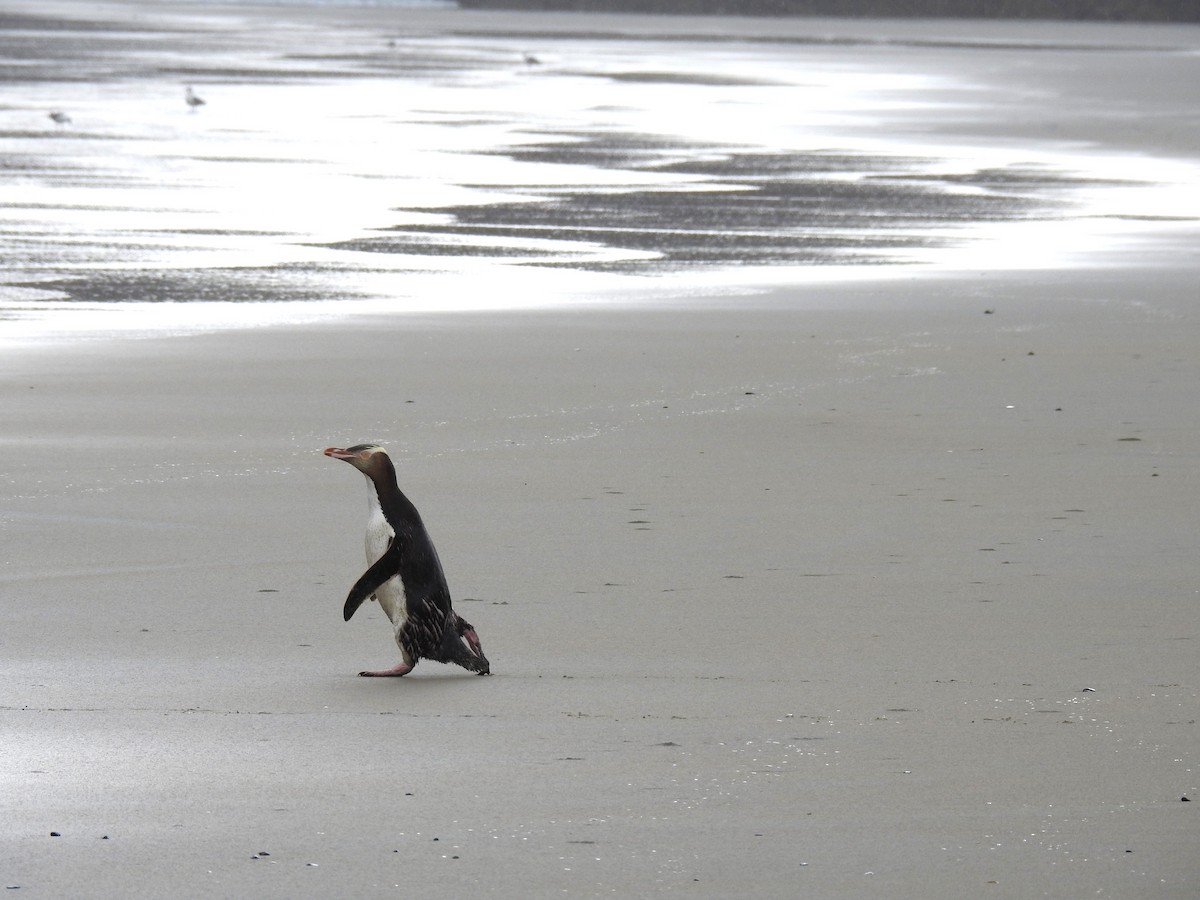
(420, 162)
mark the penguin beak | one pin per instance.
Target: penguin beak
(339, 453)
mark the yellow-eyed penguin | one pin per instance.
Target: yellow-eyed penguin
(405, 575)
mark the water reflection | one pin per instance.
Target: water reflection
(396, 168)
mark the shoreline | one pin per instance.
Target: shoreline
(1132, 11)
(1060, 183)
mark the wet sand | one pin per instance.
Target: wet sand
(863, 599)
(876, 589)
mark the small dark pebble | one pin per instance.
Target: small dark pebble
(437, 839)
(55, 834)
(104, 837)
(1185, 799)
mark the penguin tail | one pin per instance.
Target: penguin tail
(461, 645)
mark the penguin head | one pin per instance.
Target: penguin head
(370, 459)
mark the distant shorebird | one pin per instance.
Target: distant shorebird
(60, 118)
(192, 100)
(531, 60)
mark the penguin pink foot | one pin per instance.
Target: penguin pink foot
(394, 672)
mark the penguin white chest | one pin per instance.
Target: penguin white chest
(390, 594)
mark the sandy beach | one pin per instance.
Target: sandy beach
(879, 588)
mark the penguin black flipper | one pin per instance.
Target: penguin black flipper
(372, 579)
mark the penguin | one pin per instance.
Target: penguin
(405, 575)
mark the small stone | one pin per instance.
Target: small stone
(55, 834)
